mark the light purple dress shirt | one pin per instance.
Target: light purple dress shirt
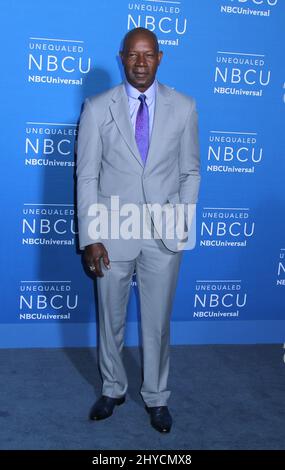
(134, 103)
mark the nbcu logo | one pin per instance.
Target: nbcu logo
(46, 226)
(215, 300)
(51, 63)
(41, 302)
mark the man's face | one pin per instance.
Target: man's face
(140, 60)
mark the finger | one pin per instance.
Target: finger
(98, 270)
(106, 261)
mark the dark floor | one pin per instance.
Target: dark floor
(223, 397)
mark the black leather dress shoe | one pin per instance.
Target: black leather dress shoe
(160, 418)
(104, 407)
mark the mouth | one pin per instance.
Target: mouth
(140, 74)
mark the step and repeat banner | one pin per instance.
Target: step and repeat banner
(229, 55)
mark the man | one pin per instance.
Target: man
(138, 142)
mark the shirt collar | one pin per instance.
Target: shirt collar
(132, 92)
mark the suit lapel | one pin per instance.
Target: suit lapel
(121, 114)
(161, 113)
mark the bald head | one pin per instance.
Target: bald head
(139, 32)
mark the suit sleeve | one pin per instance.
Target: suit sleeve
(89, 157)
(189, 164)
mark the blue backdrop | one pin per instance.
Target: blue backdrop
(225, 53)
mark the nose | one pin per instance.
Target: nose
(141, 60)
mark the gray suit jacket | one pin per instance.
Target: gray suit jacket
(109, 162)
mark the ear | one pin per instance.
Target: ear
(160, 55)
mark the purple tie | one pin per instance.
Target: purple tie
(142, 128)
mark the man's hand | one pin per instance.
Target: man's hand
(92, 257)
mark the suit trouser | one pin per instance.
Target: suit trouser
(156, 271)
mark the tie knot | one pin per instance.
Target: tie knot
(142, 99)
